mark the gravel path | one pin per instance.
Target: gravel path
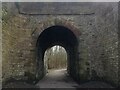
(58, 79)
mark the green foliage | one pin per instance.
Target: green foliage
(56, 58)
(6, 13)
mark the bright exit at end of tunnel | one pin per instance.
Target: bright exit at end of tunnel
(55, 64)
(55, 58)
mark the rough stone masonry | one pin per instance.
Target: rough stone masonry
(88, 31)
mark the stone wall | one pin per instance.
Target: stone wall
(98, 39)
(0, 46)
(119, 42)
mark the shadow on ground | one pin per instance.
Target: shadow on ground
(57, 79)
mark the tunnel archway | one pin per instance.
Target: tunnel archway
(58, 35)
(55, 58)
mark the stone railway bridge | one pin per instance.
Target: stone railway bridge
(87, 31)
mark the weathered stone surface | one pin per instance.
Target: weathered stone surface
(96, 33)
(0, 46)
(119, 42)
(55, 8)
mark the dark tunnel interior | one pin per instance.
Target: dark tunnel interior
(57, 35)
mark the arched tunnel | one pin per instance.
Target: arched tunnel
(84, 30)
(58, 35)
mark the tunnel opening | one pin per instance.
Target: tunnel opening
(62, 36)
(55, 58)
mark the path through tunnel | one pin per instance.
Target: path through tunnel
(62, 36)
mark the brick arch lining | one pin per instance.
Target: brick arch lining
(57, 35)
(56, 22)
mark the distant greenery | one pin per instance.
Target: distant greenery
(56, 57)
